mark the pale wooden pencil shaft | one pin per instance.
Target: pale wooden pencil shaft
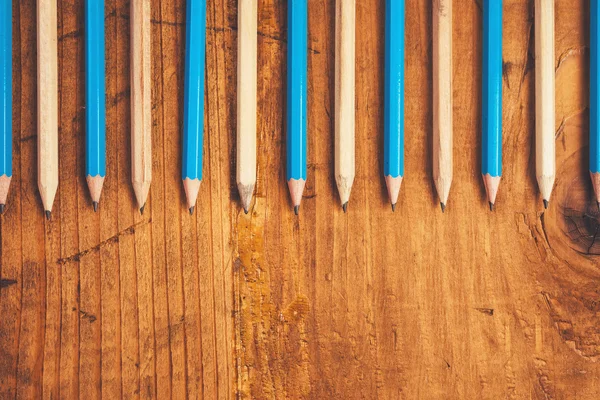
(47, 100)
(345, 35)
(246, 99)
(141, 100)
(442, 97)
(545, 158)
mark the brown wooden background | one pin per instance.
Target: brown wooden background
(416, 304)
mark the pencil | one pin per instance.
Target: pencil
(595, 99)
(492, 98)
(545, 153)
(47, 102)
(193, 111)
(5, 101)
(345, 33)
(246, 101)
(393, 137)
(442, 99)
(141, 101)
(296, 99)
(95, 110)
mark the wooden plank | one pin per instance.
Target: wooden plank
(415, 304)
(70, 55)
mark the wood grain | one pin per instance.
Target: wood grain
(368, 304)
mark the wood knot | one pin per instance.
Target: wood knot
(581, 218)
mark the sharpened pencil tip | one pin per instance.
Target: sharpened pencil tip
(192, 210)
(296, 209)
(393, 207)
(598, 204)
(48, 215)
(2, 209)
(95, 205)
(443, 207)
(142, 208)
(345, 207)
(245, 211)
(491, 206)
(546, 203)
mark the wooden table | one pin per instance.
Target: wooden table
(369, 304)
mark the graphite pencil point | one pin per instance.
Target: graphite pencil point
(245, 211)
(443, 207)
(192, 210)
(142, 208)
(95, 205)
(393, 207)
(296, 209)
(546, 203)
(2, 209)
(491, 206)
(345, 207)
(48, 215)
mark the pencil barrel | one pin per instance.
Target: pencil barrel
(193, 111)
(95, 108)
(442, 97)
(492, 88)
(246, 93)
(296, 89)
(594, 90)
(141, 95)
(6, 88)
(47, 100)
(393, 157)
(345, 54)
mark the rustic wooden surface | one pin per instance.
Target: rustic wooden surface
(369, 304)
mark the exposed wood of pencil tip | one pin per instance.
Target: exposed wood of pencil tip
(296, 188)
(442, 99)
(345, 89)
(95, 184)
(596, 185)
(191, 188)
(4, 186)
(491, 188)
(545, 98)
(393, 187)
(141, 101)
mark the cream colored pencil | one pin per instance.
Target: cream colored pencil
(246, 100)
(442, 99)
(47, 102)
(545, 154)
(141, 101)
(345, 34)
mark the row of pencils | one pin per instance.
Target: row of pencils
(296, 119)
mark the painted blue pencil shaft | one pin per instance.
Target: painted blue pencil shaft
(393, 142)
(594, 90)
(492, 88)
(296, 88)
(95, 108)
(193, 111)
(6, 87)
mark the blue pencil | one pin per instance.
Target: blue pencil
(594, 98)
(193, 111)
(296, 99)
(393, 136)
(5, 100)
(491, 143)
(95, 111)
